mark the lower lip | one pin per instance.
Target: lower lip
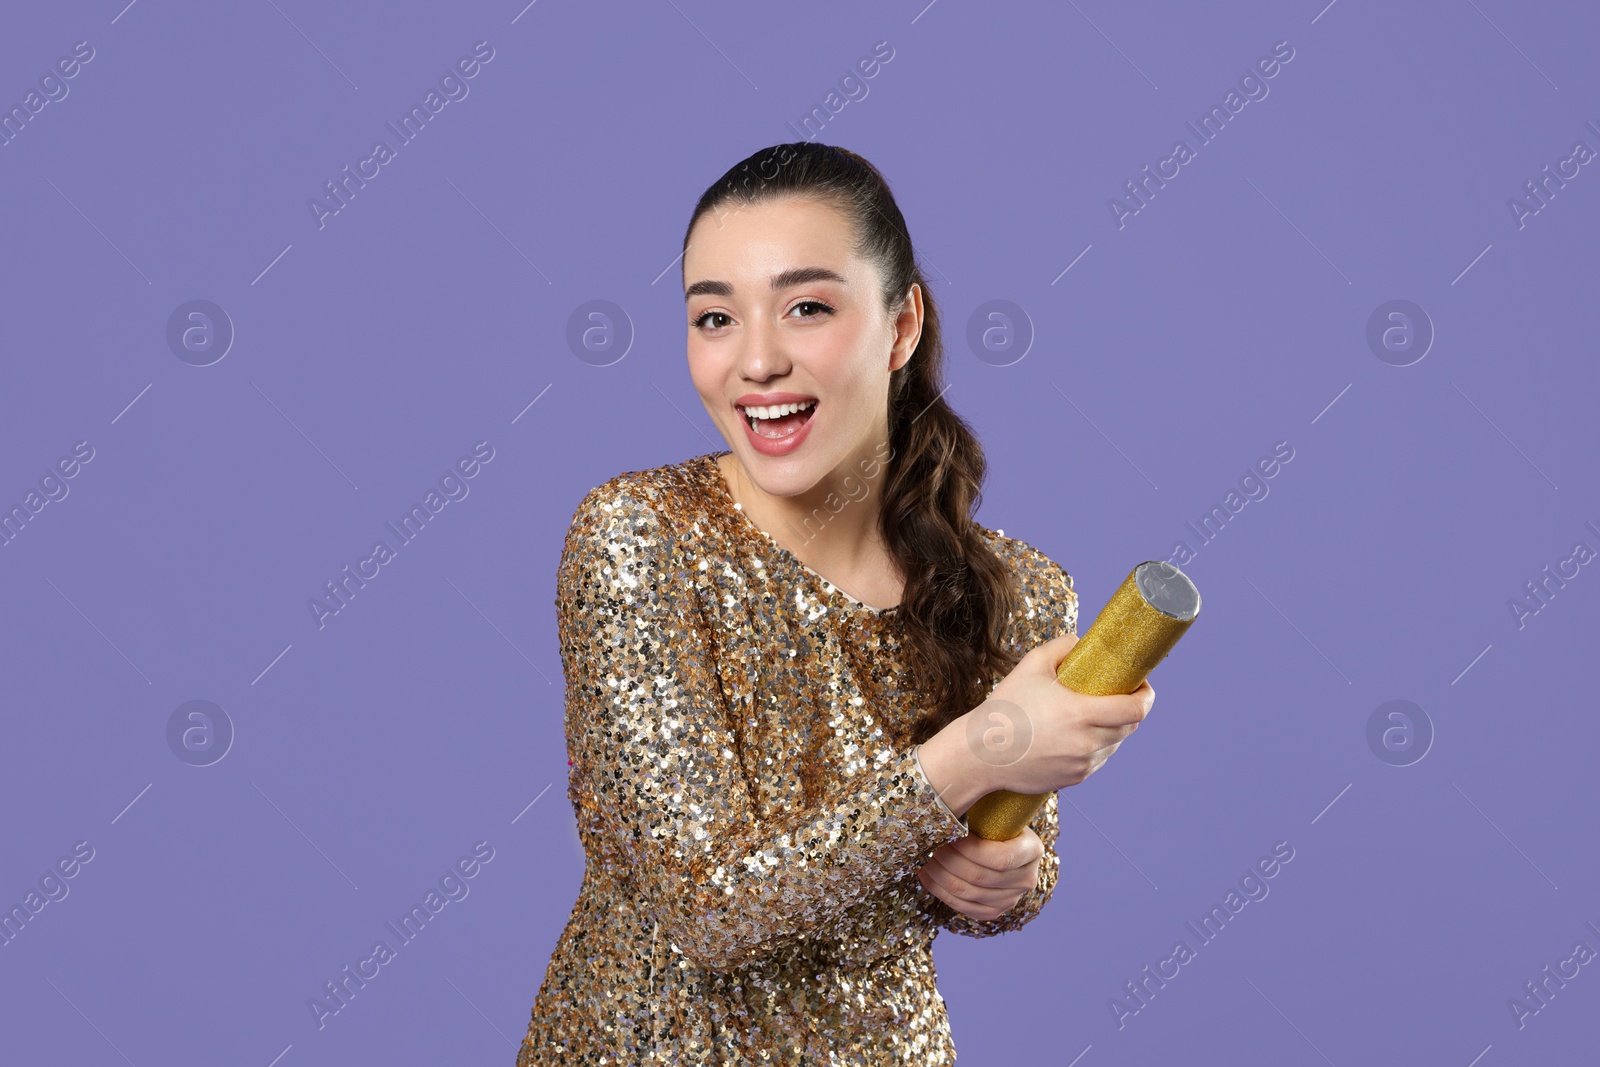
(776, 446)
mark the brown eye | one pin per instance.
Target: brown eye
(697, 323)
(812, 303)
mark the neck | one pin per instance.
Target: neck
(831, 528)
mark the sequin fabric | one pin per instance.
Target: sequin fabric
(750, 805)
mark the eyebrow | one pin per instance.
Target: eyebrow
(782, 280)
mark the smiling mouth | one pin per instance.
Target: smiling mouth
(779, 420)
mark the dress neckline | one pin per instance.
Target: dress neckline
(719, 486)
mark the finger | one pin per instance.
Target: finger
(965, 896)
(925, 876)
(1116, 710)
(1020, 851)
(1023, 850)
(992, 864)
(1106, 736)
(962, 877)
(1055, 650)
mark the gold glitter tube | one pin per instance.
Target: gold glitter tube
(1134, 631)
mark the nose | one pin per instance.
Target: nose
(762, 357)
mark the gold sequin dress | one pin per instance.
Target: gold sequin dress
(750, 805)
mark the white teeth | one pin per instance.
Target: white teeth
(777, 410)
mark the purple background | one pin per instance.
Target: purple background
(432, 312)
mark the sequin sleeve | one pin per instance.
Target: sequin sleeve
(1057, 614)
(656, 775)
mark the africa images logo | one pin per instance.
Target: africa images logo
(452, 84)
(1253, 86)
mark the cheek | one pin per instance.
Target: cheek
(703, 372)
(844, 377)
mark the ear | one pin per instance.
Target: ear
(907, 327)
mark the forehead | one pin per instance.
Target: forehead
(747, 245)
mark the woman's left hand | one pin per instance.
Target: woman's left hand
(981, 878)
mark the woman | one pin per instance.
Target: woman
(776, 655)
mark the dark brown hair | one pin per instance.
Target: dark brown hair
(958, 592)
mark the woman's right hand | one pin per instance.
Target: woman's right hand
(1038, 736)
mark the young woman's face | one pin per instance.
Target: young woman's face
(819, 334)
